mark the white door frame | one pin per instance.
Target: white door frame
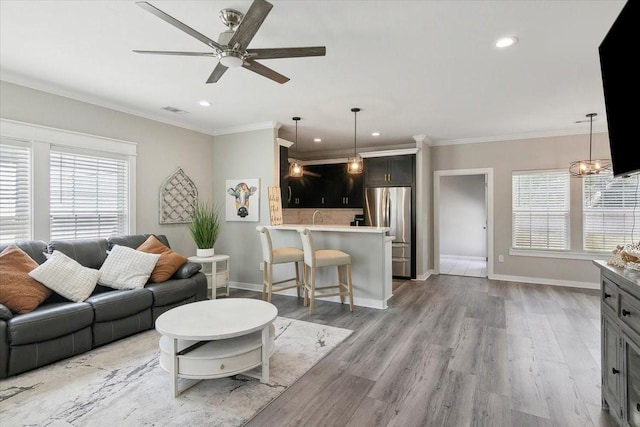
(488, 173)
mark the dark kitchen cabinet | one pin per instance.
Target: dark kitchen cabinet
(391, 171)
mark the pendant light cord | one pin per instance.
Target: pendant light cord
(590, 135)
(355, 127)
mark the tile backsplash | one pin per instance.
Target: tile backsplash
(324, 217)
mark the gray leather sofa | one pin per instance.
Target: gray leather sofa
(59, 328)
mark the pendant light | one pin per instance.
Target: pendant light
(354, 164)
(295, 169)
(583, 168)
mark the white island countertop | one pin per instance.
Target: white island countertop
(338, 228)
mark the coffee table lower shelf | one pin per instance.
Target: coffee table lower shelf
(201, 360)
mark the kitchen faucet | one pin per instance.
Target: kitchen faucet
(313, 218)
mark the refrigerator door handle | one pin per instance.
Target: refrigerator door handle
(388, 209)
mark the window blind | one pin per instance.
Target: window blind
(608, 212)
(15, 191)
(540, 210)
(88, 195)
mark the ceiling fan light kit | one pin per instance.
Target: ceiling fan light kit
(584, 168)
(354, 164)
(231, 47)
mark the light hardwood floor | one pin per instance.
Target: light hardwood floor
(452, 351)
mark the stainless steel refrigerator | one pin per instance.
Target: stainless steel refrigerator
(391, 207)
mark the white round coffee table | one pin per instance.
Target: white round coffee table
(216, 338)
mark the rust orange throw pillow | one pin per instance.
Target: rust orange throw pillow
(19, 292)
(169, 260)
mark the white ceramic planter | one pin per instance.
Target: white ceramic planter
(205, 253)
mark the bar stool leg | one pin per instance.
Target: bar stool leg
(305, 278)
(313, 290)
(341, 283)
(349, 284)
(298, 284)
(264, 280)
(270, 282)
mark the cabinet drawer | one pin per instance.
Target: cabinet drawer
(609, 294)
(630, 311)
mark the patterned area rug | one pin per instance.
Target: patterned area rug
(122, 384)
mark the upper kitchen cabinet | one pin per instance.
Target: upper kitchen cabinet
(392, 171)
(332, 187)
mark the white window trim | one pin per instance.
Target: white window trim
(41, 139)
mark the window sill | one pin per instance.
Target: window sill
(587, 256)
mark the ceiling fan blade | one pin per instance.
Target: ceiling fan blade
(217, 73)
(250, 23)
(265, 71)
(287, 52)
(173, 21)
(164, 52)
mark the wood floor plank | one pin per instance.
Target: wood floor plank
(516, 320)
(527, 390)
(600, 417)
(491, 410)
(545, 344)
(521, 419)
(371, 413)
(565, 405)
(584, 369)
(494, 374)
(468, 350)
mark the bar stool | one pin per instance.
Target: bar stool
(324, 258)
(272, 256)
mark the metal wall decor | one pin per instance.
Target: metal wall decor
(178, 196)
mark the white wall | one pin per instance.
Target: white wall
(462, 216)
(424, 219)
(242, 156)
(530, 154)
(161, 148)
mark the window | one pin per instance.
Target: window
(59, 184)
(15, 192)
(540, 210)
(88, 195)
(611, 215)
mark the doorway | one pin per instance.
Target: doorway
(463, 222)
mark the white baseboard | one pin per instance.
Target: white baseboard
(463, 257)
(424, 276)
(360, 302)
(541, 281)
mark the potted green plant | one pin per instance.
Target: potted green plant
(205, 228)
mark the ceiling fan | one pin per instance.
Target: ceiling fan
(231, 47)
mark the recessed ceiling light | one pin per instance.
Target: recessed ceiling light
(205, 103)
(375, 133)
(317, 139)
(506, 41)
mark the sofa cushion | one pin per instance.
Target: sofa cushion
(135, 240)
(67, 277)
(187, 270)
(126, 268)
(5, 313)
(172, 291)
(48, 322)
(36, 249)
(168, 262)
(89, 252)
(18, 291)
(119, 304)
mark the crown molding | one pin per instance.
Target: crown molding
(247, 128)
(518, 136)
(284, 142)
(423, 139)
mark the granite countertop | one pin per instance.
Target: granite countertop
(338, 228)
(630, 276)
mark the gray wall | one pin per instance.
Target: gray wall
(463, 215)
(529, 154)
(162, 148)
(244, 155)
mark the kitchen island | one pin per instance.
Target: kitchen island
(370, 250)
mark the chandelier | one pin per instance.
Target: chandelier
(583, 168)
(354, 164)
(295, 169)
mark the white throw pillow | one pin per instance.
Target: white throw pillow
(127, 268)
(66, 276)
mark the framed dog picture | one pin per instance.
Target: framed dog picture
(243, 200)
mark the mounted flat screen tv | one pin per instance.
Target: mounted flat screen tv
(621, 84)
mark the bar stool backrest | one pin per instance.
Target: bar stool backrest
(267, 247)
(307, 247)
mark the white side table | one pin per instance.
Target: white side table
(217, 277)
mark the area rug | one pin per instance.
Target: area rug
(122, 384)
